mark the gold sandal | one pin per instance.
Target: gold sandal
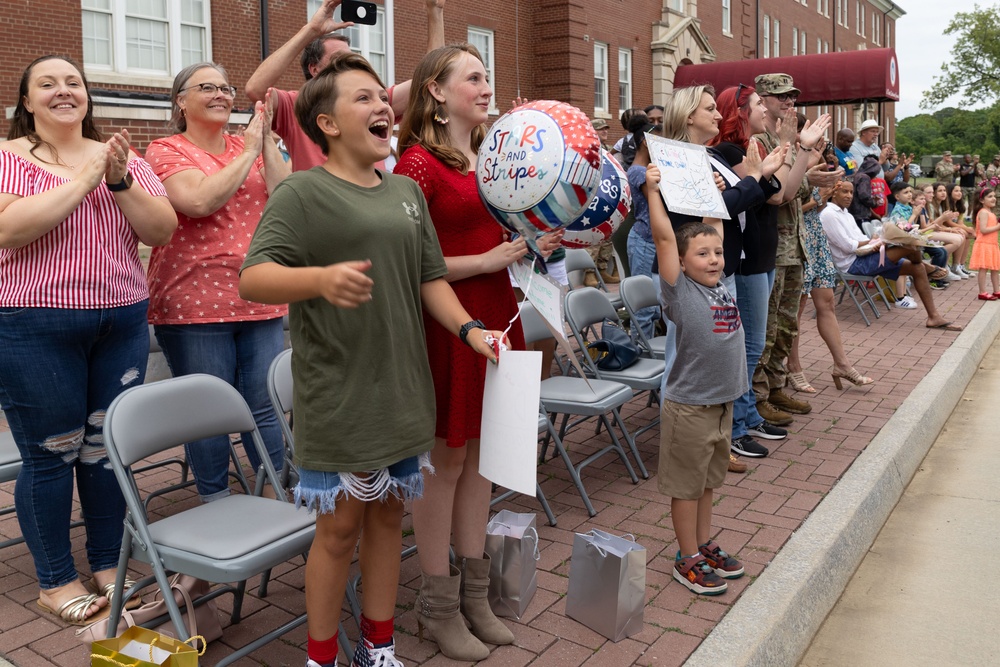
(852, 376)
(798, 382)
(108, 591)
(74, 610)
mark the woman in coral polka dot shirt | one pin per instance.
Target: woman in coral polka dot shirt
(218, 183)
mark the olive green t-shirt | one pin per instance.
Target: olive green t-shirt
(364, 396)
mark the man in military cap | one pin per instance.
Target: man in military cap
(779, 96)
(945, 170)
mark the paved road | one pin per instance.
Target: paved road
(927, 591)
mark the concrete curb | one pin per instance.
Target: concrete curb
(775, 620)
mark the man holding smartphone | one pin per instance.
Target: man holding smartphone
(318, 41)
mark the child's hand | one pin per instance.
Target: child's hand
(345, 285)
(504, 255)
(719, 181)
(653, 174)
(483, 342)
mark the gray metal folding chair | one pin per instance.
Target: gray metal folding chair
(279, 389)
(854, 286)
(639, 292)
(213, 541)
(578, 262)
(574, 396)
(585, 309)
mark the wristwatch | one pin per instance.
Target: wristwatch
(463, 333)
(124, 184)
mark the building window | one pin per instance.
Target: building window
(677, 5)
(795, 41)
(802, 42)
(624, 79)
(861, 20)
(842, 18)
(876, 29)
(767, 37)
(600, 77)
(482, 39)
(727, 17)
(145, 36)
(776, 33)
(826, 46)
(819, 45)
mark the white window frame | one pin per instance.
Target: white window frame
(819, 45)
(119, 72)
(727, 18)
(776, 34)
(767, 37)
(795, 41)
(490, 57)
(861, 22)
(802, 42)
(601, 84)
(826, 46)
(625, 80)
(677, 5)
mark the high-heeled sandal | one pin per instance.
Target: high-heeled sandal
(798, 382)
(852, 376)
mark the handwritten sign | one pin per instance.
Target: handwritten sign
(686, 179)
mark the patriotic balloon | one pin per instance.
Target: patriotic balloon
(607, 210)
(539, 168)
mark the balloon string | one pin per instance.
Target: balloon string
(527, 290)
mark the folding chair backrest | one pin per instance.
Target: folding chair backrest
(150, 418)
(639, 292)
(279, 381)
(578, 259)
(586, 307)
(532, 324)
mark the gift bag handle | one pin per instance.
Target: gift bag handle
(528, 532)
(604, 554)
(118, 663)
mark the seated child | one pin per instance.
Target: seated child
(354, 251)
(710, 372)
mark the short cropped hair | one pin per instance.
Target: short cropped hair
(319, 94)
(899, 186)
(689, 231)
(313, 53)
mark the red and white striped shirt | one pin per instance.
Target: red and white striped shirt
(90, 260)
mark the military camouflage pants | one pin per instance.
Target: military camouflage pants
(601, 254)
(782, 328)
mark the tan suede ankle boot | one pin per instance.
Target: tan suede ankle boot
(437, 613)
(476, 606)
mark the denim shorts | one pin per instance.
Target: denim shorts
(869, 266)
(319, 490)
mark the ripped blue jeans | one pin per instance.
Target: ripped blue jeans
(60, 369)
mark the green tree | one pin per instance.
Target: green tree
(974, 66)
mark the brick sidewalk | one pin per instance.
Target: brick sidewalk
(755, 514)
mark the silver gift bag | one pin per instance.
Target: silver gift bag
(607, 584)
(512, 545)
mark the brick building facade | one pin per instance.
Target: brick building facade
(599, 55)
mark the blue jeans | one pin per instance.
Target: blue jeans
(60, 369)
(752, 295)
(240, 353)
(641, 255)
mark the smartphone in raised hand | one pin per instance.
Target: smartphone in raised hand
(358, 12)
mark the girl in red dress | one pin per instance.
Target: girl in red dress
(439, 140)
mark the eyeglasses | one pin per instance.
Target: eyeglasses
(739, 89)
(212, 89)
(784, 97)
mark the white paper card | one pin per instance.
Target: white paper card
(544, 293)
(686, 179)
(508, 449)
(140, 651)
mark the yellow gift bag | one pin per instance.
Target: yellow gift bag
(139, 647)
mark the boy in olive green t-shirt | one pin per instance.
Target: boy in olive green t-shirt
(354, 252)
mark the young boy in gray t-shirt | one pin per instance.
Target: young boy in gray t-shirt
(709, 374)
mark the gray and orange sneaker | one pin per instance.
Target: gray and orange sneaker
(724, 565)
(699, 577)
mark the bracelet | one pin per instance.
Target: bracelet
(807, 148)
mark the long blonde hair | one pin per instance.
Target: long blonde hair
(419, 126)
(683, 103)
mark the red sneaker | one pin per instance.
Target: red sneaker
(699, 577)
(986, 296)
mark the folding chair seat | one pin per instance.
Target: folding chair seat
(639, 292)
(574, 396)
(586, 309)
(578, 261)
(217, 541)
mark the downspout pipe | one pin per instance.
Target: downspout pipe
(265, 38)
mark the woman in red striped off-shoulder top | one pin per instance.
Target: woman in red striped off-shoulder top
(73, 332)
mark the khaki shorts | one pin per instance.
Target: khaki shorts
(694, 448)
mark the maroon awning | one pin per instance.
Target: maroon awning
(846, 77)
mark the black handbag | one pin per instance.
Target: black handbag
(615, 350)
